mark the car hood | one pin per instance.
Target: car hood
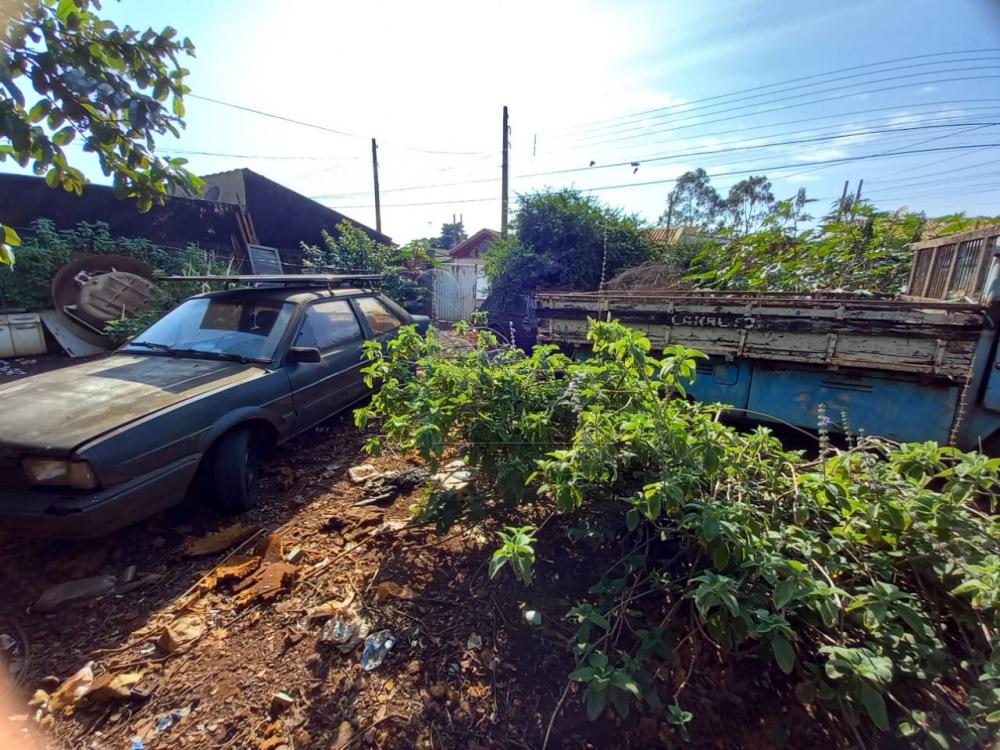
(56, 411)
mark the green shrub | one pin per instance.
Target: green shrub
(564, 240)
(45, 249)
(353, 251)
(870, 577)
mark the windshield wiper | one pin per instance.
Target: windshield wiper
(215, 355)
(190, 352)
(151, 345)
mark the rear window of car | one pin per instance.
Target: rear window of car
(378, 316)
(327, 325)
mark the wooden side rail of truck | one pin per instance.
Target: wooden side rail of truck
(919, 366)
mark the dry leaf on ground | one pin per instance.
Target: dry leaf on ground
(218, 541)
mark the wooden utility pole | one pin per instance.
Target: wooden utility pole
(843, 200)
(504, 177)
(378, 203)
(857, 198)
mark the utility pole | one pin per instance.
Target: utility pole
(843, 200)
(504, 177)
(378, 204)
(857, 197)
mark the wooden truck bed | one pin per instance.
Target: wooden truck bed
(903, 334)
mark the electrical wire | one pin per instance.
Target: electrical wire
(844, 160)
(697, 111)
(824, 100)
(788, 81)
(326, 129)
(815, 118)
(745, 130)
(644, 160)
(667, 157)
(925, 176)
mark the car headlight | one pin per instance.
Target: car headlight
(57, 472)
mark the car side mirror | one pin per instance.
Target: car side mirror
(305, 354)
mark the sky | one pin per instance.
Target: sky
(613, 98)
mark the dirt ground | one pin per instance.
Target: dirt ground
(210, 645)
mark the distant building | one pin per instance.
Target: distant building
(670, 235)
(282, 218)
(470, 252)
(237, 209)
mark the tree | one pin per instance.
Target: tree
(748, 203)
(451, 235)
(564, 240)
(66, 72)
(867, 251)
(692, 203)
(351, 250)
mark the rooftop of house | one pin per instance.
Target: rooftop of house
(666, 235)
(282, 194)
(466, 246)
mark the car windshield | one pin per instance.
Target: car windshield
(240, 329)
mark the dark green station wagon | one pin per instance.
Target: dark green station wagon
(90, 448)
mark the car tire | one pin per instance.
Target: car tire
(235, 472)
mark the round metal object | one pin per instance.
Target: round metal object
(93, 289)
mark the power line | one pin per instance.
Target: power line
(921, 177)
(974, 189)
(914, 143)
(262, 156)
(963, 179)
(791, 80)
(326, 129)
(798, 131)
(688, 110)
(844, 160)
(783, 107)
(666, 157)
(814, 118)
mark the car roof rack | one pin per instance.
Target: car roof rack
(327, 280)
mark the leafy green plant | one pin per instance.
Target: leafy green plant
(66, 72)
(517, 550)
(564, 240)
(351, 250)
(866, 578)
(605, 683)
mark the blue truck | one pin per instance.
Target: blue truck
(923, 365)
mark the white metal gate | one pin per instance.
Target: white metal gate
(454, 292)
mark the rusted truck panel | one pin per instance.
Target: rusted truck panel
(956, 266)
(936, 339)
(924, 365)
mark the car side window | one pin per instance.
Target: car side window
(378, 316)
(327, 325)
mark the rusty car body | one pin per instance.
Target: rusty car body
(93, 447)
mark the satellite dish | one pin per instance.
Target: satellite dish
(212, 193)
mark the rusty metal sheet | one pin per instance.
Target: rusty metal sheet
(834, 331)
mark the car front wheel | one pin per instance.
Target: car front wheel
(235, 472)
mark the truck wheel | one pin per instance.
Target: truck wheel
(234, 472)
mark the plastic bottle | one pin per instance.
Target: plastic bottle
(377, 645)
